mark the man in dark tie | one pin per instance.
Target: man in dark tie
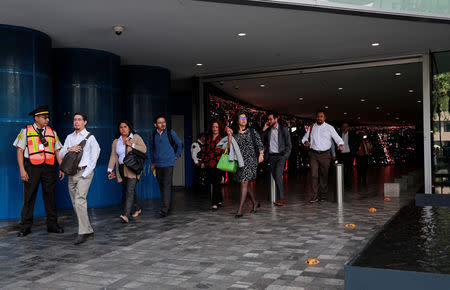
(38, 149)
(278, 148)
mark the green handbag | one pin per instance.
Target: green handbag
(226, 165)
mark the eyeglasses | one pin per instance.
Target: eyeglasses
(242, 118)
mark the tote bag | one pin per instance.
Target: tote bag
(226, 165)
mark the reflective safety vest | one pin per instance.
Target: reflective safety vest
(38, 153)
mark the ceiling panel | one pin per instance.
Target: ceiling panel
(377, 86)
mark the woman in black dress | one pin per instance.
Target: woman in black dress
(251, 148)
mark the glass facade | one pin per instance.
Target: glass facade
(440, 118)
(438, 7)
(432, 8)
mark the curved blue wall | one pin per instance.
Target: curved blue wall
(145, 92)
(25, 83)
(87, 81)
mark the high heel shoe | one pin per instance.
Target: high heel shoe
(258, 205)
(124, 219)
(238, 216)
(137, 213)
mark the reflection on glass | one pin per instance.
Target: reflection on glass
(441, 120)
(418, 6)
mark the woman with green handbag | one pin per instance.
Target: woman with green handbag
(251, 148)
(210, 157)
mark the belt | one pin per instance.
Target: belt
(81, 168)
(274, 154)
(320, 152)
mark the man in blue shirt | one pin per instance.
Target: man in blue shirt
(164, 148)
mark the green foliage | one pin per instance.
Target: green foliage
(441, 93)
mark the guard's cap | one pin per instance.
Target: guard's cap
(41, 110)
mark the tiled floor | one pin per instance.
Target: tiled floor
(198, 248)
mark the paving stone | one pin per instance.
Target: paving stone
(198, 248)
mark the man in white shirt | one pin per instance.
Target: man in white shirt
(347, 155)
(80, 182)
(319, 139)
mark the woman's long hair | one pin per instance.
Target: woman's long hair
(221, 128)
(128, 123)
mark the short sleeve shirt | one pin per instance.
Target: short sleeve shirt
(21, 141)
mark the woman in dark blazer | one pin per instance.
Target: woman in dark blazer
(126, 140)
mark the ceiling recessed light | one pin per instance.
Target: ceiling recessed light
(359, 118)
(398, 74)
(419, 101)
(300, 99)
(377, 108)
(376, 44)
(388, 114)
(340, 89)
(199, 64)
(242, 34)
(397, 118)
(345, 113)
(326, 107)
(262, 85)
(411, 91)
(363, 100)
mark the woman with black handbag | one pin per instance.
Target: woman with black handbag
(126, 141)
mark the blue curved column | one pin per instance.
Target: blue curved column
(145, 91)
(87, 81)
(25, 83)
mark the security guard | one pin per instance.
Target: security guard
(37, 148)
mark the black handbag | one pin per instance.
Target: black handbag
(69, 164)
(135, 160)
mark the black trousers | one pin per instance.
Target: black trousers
(276, 166)
(347, 160)
(129, 187)
(214, 178)
(363, 166)
(39, 174)
(164, 176)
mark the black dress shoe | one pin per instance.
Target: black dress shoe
(162, 214)
(82, 238)
(23, 233)
(55, 229)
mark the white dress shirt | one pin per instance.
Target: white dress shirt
(321, 136)
(346, 146)
(91, 150)
(121, 147)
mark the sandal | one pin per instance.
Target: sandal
(124, 219)
(137, 213)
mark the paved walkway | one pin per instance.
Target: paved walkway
(198, 248)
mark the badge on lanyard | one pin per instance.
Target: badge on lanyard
(41, 147)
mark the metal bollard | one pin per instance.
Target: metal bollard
(339, 182)
(273, 189)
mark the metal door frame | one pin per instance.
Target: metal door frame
(426, 87)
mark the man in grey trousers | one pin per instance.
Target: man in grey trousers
(278, 148)
(80, 182)
(165, 147)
